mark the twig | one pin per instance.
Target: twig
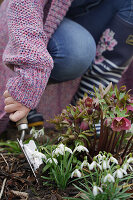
(5, 160)
(122, 137)
(126, 148)
(20, 194)
(111, 142)
(2, 188)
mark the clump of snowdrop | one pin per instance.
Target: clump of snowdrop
(36, 133)
(62, 164)
(106, 177)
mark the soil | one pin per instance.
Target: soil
(17, 180)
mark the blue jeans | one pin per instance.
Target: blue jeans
(73, 45)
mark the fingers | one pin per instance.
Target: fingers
(6, 94)
(17, 110)
(17, 116)
(9, 100)
(11, 108)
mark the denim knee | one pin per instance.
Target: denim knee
(73, 49)
(126, 11)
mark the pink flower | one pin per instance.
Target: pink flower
(88, 102)
(84, 125)
(129, 108)
(120, 123)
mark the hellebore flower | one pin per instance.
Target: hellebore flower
(120, 123)
(76, 173)
(84, 125)
(108, 178)
(129, 108)
(81, 148)
(88, 102)
(96, 190)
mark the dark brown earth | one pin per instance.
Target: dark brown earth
(17, 180)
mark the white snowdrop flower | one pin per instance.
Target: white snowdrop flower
(84, 164)
(68, 150)
(104, 164)
(60, 150)
(60, 138)
(81, 148)
(126, 166)
(96, 190)
(51, 160)
(92, 165)
(113, 160)
(99, 157)
(76, 173)
(119, 173)
(100, 167)
(33, 154)
(40, 132)
(130, 160)
(108, 178)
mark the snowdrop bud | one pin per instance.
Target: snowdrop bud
(76, 173)
(81, 148)
(104, 164)
(96, 190)
(108, 178)
(92, 165)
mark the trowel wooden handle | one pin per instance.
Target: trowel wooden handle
(22, 124)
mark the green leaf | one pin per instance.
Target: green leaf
(121, 95)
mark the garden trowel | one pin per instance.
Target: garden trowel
(22, 126)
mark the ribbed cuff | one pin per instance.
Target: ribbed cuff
(28, 86)
(55, 16)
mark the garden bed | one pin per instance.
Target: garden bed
(75, 161)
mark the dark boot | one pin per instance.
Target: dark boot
(114, 53)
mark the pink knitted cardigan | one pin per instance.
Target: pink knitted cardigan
(30, 25)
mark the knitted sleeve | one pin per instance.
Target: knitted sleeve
(26, 51)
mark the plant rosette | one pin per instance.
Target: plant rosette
(111, 109)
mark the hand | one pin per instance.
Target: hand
(17, 110)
